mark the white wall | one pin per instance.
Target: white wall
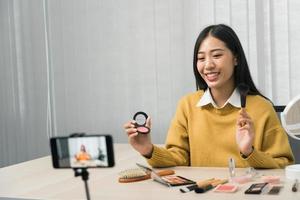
(72, 66)
(23, 84)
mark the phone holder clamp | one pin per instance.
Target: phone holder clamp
(85, 177)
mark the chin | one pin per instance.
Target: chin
(213, 85)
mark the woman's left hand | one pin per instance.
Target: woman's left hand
(245, 133)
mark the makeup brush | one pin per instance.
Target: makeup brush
(243, 89)
(210, 186)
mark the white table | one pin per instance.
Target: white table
(37, 179)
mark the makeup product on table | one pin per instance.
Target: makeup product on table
(247, 177)
(271, 179)
(210, 186)
(153, 174)
(295, 186)
(241, 179)
(256, 188)
(243, 89)
(169, 180)
(175, 180)
(205, 182)
(138, 174)
(232, 174)
(253, 173)
(231, 167)
(188, 188)
(198, 184)
(275, 190)
(140, 122)
(292, 172)
(227, 188)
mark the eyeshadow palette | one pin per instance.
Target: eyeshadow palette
(174, 180)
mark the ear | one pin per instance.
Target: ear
(235, 61)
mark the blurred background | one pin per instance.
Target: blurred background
(88, 66)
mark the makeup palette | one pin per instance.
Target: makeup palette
(140, 122)
(227, 188)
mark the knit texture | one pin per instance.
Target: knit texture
(205, 136)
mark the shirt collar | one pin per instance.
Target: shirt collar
(206, 99)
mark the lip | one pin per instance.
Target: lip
(212, 76)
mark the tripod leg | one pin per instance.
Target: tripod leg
(85, 177)
(87, 190)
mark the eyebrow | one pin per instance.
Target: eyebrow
(219, 49)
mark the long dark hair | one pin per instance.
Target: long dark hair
(232, 42)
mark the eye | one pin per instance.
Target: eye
(217, 55)
(201, 59)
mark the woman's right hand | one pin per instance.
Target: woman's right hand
(140, 142)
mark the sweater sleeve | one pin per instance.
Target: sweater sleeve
(176, 152)
(275, 150)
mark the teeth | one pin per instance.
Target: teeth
(211, 74)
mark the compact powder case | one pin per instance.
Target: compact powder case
(140, 122)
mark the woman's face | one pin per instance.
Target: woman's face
(82, 148)
(216, 64)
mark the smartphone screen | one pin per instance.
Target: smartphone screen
(88, 151)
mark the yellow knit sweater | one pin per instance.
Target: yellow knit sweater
(205, 136)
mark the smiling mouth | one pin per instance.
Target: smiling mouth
(212, 76)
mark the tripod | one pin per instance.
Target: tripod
(85, 177)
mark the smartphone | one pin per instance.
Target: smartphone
(85, 151)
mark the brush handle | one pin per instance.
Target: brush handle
(205, 182)
(148, 176)
(166, 172)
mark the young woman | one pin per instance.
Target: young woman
(82, 155)
(210, 126)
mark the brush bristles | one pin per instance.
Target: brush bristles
(132, 173)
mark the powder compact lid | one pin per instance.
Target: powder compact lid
(141, 119)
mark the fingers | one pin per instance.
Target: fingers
(130, 128)
(243, 113)
(244, 119)
(129, 124)
(131, 135)
(244, 124)
(148, 122)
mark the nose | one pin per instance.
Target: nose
(209, 63)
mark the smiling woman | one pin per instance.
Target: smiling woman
(211, 125)
(66, 66)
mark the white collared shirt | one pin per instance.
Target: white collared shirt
(234, 99)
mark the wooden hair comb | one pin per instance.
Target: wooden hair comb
(138, 174)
